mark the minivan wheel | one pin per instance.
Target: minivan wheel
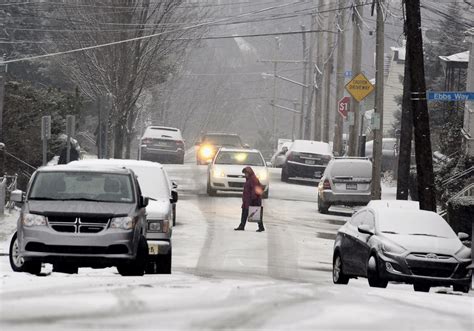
(373, 274)
(16, 260)
(461, 288)
(338, 276)
(163, 263)
(138, 265)
(421, 287)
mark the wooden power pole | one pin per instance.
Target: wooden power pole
(340, 70)
(319, 67)
(328, 69)
(421, 120)
(378, 111)
(357, 13)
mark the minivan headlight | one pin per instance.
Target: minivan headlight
(125, 223)
(463, 253)
(392, 248)
(33, 220)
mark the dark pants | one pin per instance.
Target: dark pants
(243, 219)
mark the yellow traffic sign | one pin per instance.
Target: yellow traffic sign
(360, 87)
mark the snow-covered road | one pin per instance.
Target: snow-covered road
(222, 279)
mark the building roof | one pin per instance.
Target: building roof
(462, 57)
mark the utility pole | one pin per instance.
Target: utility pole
(357, 13)
(421, 119)
(340, 70)
(303, 90)
(319, 67)
(275, 68)
(3, 73)
(293, 129)
(307, 130)
(378, 111)
(328, 69)
(406, 132)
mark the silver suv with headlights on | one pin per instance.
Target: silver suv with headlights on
(82, 217)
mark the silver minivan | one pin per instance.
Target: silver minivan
(76, 217)
(346, 181)
(161, 209)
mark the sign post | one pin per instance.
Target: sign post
(45, 136)
(343, 106)
(70, 131)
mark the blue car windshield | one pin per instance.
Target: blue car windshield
(81, 185)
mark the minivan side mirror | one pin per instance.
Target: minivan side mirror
(463, 236)
(365, 229)
(16, 196)
(144, 201)
(174, 196)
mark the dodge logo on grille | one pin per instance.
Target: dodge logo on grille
(77, 223)
(432, 256)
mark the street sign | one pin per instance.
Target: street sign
(348, 74)
(45, 127)
(450, 96)
(360, 87)
(375, 121)
(343, 106)
(70, 125)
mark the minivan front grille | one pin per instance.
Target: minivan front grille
(72, 224)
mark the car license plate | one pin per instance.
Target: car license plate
(162, 144)
(310, 162)
(317, 174)
(351, 186)
(153, 249)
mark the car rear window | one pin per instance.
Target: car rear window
(223, 140)
(351, 168)
(81, 185)
(240, 158)
(162, 133)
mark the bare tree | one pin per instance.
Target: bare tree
(124, 71)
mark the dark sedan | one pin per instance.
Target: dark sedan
(401, 244)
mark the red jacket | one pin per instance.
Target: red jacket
(252, 195)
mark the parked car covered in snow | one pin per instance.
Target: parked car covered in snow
(306, 159)
(82, 217)
(346, 181)
(401, 243)
(162, 144)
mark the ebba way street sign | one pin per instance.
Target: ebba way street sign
(360, 87)
(449, 96)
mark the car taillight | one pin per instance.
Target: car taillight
(290, 157)
(326, 185)
(146, 141)
(180, 144)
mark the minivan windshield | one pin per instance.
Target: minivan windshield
(240, 158)
(222, 140)
(81, 185)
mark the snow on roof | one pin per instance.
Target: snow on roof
(458, 57)
(310, 146)
(116, 163)
(162, 132)
(398, 204)
(401, 52)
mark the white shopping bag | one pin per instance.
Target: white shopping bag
(255, 214)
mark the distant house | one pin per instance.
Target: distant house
(394, 71)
